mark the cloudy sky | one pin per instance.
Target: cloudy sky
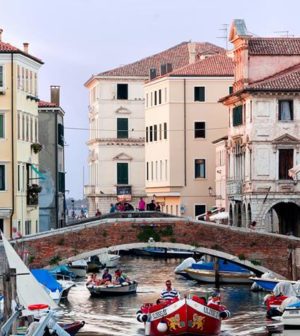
(78, 38)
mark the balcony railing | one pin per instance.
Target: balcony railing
(233, 187)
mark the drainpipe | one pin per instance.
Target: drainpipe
(12, 144)
(56, 170)
(184, 130)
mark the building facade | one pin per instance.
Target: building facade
(19, 188)
(117, 118)
(182, 119)
(52, 163)
(263, 140)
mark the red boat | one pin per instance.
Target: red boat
(188, 316)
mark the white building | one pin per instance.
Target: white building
(264, 138)
(117, 125)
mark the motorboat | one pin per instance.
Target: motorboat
(125, 288)
(109, 260)
(73, 327)
(269, 284)
(79, 268)
(187, 316)
(228, 272)
(187, 263)
(160, 252)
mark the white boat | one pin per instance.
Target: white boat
(107, 290)
(79, 268)
(109, 260)
(224, 277)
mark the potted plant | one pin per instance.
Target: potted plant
(34, 188)
(36, 147)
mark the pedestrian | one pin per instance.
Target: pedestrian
(168, 293)
(112, 208)
(142, 204)
(157, 208)
(151, 206)
(98, 213)
(252, 226)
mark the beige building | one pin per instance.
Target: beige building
(18, 139)
(117, 122)
(182, 119)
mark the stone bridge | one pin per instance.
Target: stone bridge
(259, 251)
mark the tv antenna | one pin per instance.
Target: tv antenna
(284, 33)
(224, 29)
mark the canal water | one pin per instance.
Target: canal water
(115, 316)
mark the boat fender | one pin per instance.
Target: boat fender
(162, 326)
(141, 317)
(225, 314)
(147, 328)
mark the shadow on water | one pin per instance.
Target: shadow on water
(115, 316)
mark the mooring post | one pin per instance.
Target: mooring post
(217, 274)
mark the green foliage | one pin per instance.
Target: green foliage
(55, 260)
(148, 232)
(167, 231)
(241, 256)
(256, 262)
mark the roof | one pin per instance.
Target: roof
(177, 55)
(274, 46)
(216, 65)
(8, 48)
(46, 104)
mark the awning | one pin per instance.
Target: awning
(41, 175)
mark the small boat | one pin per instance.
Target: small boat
(187, 263)
(269, 284)
(228, 272)
(291, 317)
(79, 268)
(112, 290)
(62, 272)
(159, 252)
(72, 328)
(187, 316)
(109, 260)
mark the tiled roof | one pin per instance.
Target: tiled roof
(8, 48)
(177, 55)
(288, 79)
(274, 46)
(46, 104)
(216, 65)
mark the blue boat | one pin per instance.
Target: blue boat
(269, 284)
(62, 272)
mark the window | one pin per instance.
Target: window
(1, 77)
(151, 133)
(60, 134)
(61, 182)
(285, 110)
(122, 128)
(200, 168)
(19, 178)
(165, 131)
(19, 126)
(286, 160)
(230, 90)
(2, 224)
(122, 91)
(156, 170)
(147, 171)
(159, 96)
(199, 129)
(159, 131)
(166, 170)
(160, 169)
(146, 134)
(237, 115)
(2, 177)
(155, 97)
(31, 130)
(36, 130)
(122, 173)
(199, 93)
(200, 209)
(27, 227)
(151, 170)
(23, 127)
(155, 133)
(27, 128)
(147, 97)
(1, 125)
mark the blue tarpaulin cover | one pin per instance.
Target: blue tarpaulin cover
(46, 278)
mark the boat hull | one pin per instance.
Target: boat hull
(224, 277)
(268, 284)
(112, 290)
(291, 318)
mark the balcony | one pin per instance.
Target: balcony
(33, 191)
(233, 187)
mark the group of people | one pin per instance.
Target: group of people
(106, 279)
(152, 206)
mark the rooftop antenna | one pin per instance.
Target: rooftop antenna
(225, 34)
(284, 33)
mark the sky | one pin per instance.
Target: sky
(79, 38)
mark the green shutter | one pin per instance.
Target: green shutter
(122, 128)
(60, 135)
(237, 115)
(61, 182)
(122, 173)
(1, 76)
(1, 126)
(199, 93)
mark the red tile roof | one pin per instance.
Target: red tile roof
(288, 79)
(274, 46)
(8, 48)
(46, 104)
(177, 55)
(216, 65)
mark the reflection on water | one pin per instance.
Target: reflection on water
(116, 315)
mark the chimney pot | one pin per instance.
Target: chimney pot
(1, 31)
(26, 47)
(55, 94)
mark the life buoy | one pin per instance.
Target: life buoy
(38, 306)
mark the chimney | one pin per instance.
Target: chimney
(192, 52)
(1, 31)
(169, 67)
(54, 91)
(25, 46)
(163, 69)
(152, 73)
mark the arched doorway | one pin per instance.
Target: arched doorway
(288, 215)
(238, 214)
(249, 215)
(230, 215)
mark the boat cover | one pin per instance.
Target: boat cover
(63, 270)
(187, 263)
(46, 278)
(284, 288)
(224, 266)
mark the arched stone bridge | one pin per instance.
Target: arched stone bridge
(272, 251)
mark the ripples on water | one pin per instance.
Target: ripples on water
(115, 316)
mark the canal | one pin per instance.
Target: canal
(115, 316)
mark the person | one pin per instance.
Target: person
(151, 206)
(252, 226)
(112, 208)
(121, 207)
(214, 299)
(121, 277)
(142, 204)
(157, 208)
(168, 293)
(98, 213)
(92, 280)
(106, 277)
(16, 234)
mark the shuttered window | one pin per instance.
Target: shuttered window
(1, 126)
(1, 76)
(60, 134)
(237, 115)
(146, 134)
(155, 133)
(286, 159)
(2, 177)
(122, 91)
(122, 173)
(199, 93)
(122, 128)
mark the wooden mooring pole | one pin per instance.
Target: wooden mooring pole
(217, 274)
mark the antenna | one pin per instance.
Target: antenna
(225, 34)
(284, 33)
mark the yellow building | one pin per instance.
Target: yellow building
(183, 118)
(19, 145)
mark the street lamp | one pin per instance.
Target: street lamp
(73, 209)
